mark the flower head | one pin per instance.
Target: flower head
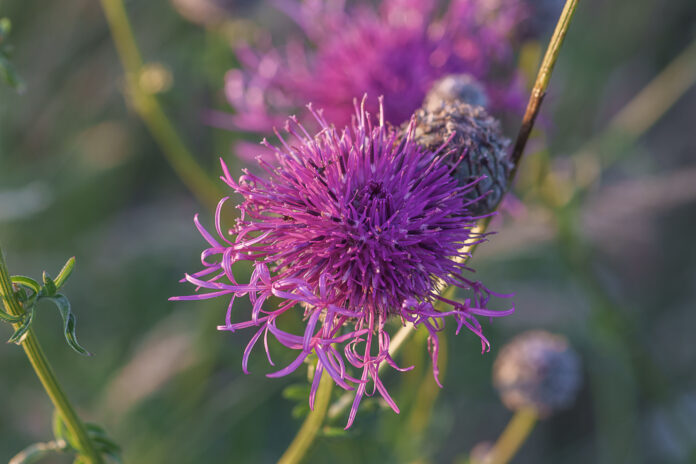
(473, 133)
(397, 51)
(538, 370)
(351, 228)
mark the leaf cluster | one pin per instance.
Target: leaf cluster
(30, 292)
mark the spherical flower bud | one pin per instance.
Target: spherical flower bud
(455, 87)
(470, 131)
(539, 370)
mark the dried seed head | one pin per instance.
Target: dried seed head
(461, 87)
(476, 135)
(539, 370)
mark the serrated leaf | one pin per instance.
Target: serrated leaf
(21, 332)
(65, 273)
(63, 306)
(49, 285)
(37, 451)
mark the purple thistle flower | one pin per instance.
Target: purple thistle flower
(397, 51)
(352, 228)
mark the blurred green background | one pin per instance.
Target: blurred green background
(612, 265)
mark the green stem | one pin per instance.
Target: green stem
(304, 438)
(542, 82)
(514, 435)
(148, 108)
(44, 372)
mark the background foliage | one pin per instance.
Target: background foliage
(614, 268)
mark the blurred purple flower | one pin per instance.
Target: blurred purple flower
(520, 20)
(352, 227)
(396, 51)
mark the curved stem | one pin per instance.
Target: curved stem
(44, 372)
(304, 438)
(150, 111)
(513, 436)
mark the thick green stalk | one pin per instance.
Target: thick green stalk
(44, 372)
(150, 111)
(304, 438)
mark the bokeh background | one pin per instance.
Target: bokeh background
(603, 250)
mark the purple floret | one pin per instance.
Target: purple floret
(352, 228)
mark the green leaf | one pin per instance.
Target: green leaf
(49, 285)
(65, 272)
(9, 318)
(26, 282)
(63, 306)
(37, 451)
(21, 332)
(106, 445)
(103, 443)
(21, 295)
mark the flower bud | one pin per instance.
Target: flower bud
(539, 370)
(476, 135)
(455, 87)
